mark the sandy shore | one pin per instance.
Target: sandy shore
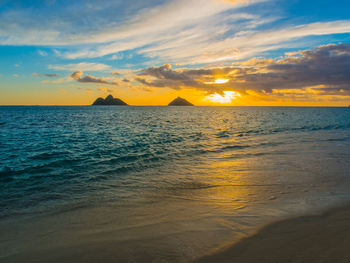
(316, 238)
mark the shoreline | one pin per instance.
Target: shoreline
(321, 237)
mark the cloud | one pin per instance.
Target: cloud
(87, 90)
(49, 75)
(143, 81)
(136, 25)
(106, 90)
(84, 66)
(165, 76)
(116, 57)
(201, 22)
(54, 81)
(112, 20)
(233, 2)
(218, 47)
(78, 76)
(187, 32)
(326, 65)
(42, 53)
(320, 71)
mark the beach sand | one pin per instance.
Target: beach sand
(316, 238)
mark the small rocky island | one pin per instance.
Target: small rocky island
(180, 102)
(109, 100)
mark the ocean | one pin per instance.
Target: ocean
(161, 184)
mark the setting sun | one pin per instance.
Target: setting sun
(227, 97)
(221, 81)
(218, 81)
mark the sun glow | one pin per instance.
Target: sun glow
(218, 81)
(221, 81)
(227, 97)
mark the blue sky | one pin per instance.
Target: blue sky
(43, 42)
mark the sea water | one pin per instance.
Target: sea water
(161, 184)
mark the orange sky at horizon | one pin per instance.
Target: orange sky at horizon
(160, 97)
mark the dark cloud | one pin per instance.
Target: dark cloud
(327, 66)
(143, 81)
(91, 79)
(54, 75)
(165, 76)
(77, 75)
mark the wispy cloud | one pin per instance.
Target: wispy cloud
(106, 90)
(167, 31)
(200, 22)
(242, 45)
(49, 75)
(56, 81)
(83, 66)
(207, 42)
(42, 53)
(78, 76)
(152, 23)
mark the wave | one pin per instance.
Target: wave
(291, 129)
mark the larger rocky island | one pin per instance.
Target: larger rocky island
(180, 102)
(109, 100)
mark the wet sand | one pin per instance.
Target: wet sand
(315, 238)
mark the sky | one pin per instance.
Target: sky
(148, 52)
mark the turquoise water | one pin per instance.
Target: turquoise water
(186, 178)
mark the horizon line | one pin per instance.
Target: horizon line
(88, 105)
